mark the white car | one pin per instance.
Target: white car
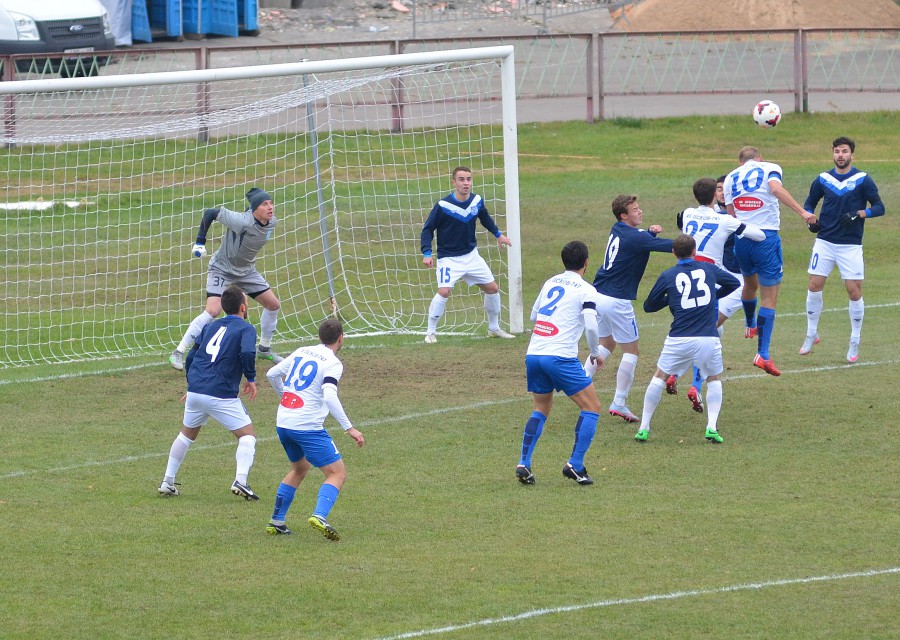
(45, 28)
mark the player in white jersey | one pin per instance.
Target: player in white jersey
(565, 308)
(711, 230)
(234, 263)
(752, 193)
(307, 382)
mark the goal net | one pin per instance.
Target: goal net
(106, 180)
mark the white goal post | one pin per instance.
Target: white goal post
(106, 179)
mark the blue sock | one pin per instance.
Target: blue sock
(283, 499)
(585, 429)
(750, 311)
(698, 379)
(766, 323)
(533, 429)
(328, 495)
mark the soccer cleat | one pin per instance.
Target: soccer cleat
(766, 365)
(672, 385)
(623, 412)
(266, 353)
(499, 333)
(808, 344)
(696, 399)
(750, 332)
(177, 360)
(581, 477)
(166, 489)
(524, 474)
(277, 530)
(318, 523)
(714, 437)
(642, 435)
(243, 491)
(430, 338)
(853, 352)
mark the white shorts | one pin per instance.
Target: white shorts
(732, 302)
(847, 257)
(615, 317)
(680, 353)
(199, 408)
(470, 268)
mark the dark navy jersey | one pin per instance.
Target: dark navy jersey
(225, 350)
(690, 290)
(455, 223)
(842, 193)
(627, 253)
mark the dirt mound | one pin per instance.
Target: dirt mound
(696, 15)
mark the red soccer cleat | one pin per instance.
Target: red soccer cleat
(672, 385)
(750, 332)
(696, 400)
(766, 365)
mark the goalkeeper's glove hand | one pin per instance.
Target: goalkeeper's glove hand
(849, 218)
(198, 250)
(814, 227)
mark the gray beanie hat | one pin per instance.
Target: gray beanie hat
(256, 197)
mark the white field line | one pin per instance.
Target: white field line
(111, 370)
(675, 595)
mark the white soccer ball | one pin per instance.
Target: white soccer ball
(767, 114)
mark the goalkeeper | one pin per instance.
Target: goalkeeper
(234, 263)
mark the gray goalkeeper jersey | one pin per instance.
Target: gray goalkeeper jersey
(244, 239)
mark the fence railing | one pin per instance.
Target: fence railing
(601, 75)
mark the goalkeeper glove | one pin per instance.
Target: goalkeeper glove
(849, 218)
(198, 250)
(814, 227)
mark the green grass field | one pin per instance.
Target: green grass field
(788, 530)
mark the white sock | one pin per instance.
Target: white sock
(246, 450)
(268, 320)
(492, 308)
(651, 400)
(814, 306)
(625, 377)
(713, 403)
(176, 456)
(435, 311)
(721, 330)
(857, 312)
(193, 331)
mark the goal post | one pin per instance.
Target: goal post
(106, 179)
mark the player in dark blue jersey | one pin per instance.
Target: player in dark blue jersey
(849, 196)
(454, 219)
(225, 350)
(627, 253)
(690, 289)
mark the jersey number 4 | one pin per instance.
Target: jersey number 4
(213, 346)
(694, 290)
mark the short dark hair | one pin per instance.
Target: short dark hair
(460, 168)
(844, 140)
(683, 246)
(574, 255)
(232, 299)
(620, 205)
(705, 190)
(721, 179)
(330, 331)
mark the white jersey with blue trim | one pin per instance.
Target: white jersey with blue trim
(747, 190)
(305, 371)
(711, 231)
(558, 323)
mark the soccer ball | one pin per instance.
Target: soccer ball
(767, 114)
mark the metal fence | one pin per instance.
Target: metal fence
(603, 75)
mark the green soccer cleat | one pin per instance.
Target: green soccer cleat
(714, 437)
(642, 435)
(319, 524)
(266, 353)
(277, 529)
